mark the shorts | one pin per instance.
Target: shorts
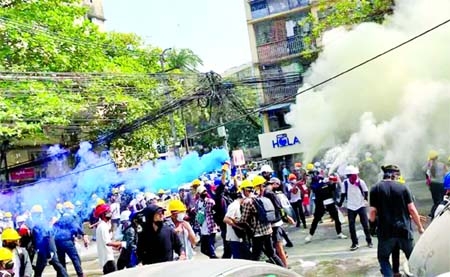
(277, 234)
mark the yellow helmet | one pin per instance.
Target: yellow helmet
(401, 180)
(161, 191)
(10, 234)
(59, 206)
(433, 154)
(309, 167)
(246, 184)
(5, 254)
(115, 190)
(68, 205)
(258, 180)
(7, 214)
(176, 205)
(37, 209)
(100, 201)
(196, 182)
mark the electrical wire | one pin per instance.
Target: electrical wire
(287, 99)
(290, 98)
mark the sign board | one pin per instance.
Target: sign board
(222, 132)
(280, 143)
(23, 174)
(238, 157)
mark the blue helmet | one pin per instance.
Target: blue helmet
(447, 181)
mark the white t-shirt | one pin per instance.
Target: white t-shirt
(103, 235)
(115, 210)
(294, 196)
(234, 212)
(355, 199)
(290, 28)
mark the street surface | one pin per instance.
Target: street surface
(326, 255)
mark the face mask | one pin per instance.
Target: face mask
(139, 229)
(10, 245)
(180, 216)
(203, 196)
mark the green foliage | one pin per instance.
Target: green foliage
(52, 36)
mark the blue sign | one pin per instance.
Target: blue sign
(283, 140)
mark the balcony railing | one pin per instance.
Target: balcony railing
(276, 50)
(278, 92)
(261, 8)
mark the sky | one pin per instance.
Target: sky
(215, 30)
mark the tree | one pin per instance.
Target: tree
(83, 83)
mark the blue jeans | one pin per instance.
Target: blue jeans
(42, 258)
(207, 245)
(385, 249)
(240, 250)
(64, 247)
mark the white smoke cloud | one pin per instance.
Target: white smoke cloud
(398, 105)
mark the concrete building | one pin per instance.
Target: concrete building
(276, 39)
(95, 13)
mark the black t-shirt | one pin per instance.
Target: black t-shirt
(391, 200)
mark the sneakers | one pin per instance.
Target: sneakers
(289, 245)
(354, 247)
(342, 236)
(308, 238)
(370, 245)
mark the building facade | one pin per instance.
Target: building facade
(95, 13)
(277, 30)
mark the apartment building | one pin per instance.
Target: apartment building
(95, 13)
(276, 34)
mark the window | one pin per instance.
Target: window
(259, 9)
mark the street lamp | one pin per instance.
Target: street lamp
(172, 123)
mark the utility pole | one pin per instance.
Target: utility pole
(169, 99)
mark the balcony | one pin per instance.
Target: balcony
(278, 92)
(273, 51)
(263, 8)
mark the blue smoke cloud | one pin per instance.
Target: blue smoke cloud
(96, 173)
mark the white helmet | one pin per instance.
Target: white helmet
(21, 218)
(350, 170)
(266, 168)
(317, 165)
(125, 215)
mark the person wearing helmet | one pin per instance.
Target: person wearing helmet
(6, 262)
(355, 190)
(158, 241)
(66, 229)
(393, 228)
(260, 213)
(21, 258)
(266, 172)
(105, 244)
(434, 172)
(183, 229)
(237, 234)
(324, 191)
(205, 218)
(297, 190)
(127, 257)
(44, 244)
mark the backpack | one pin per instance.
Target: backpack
(346, 188)
(266, 210)
(201, 214)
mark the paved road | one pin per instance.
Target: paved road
(326, 255)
